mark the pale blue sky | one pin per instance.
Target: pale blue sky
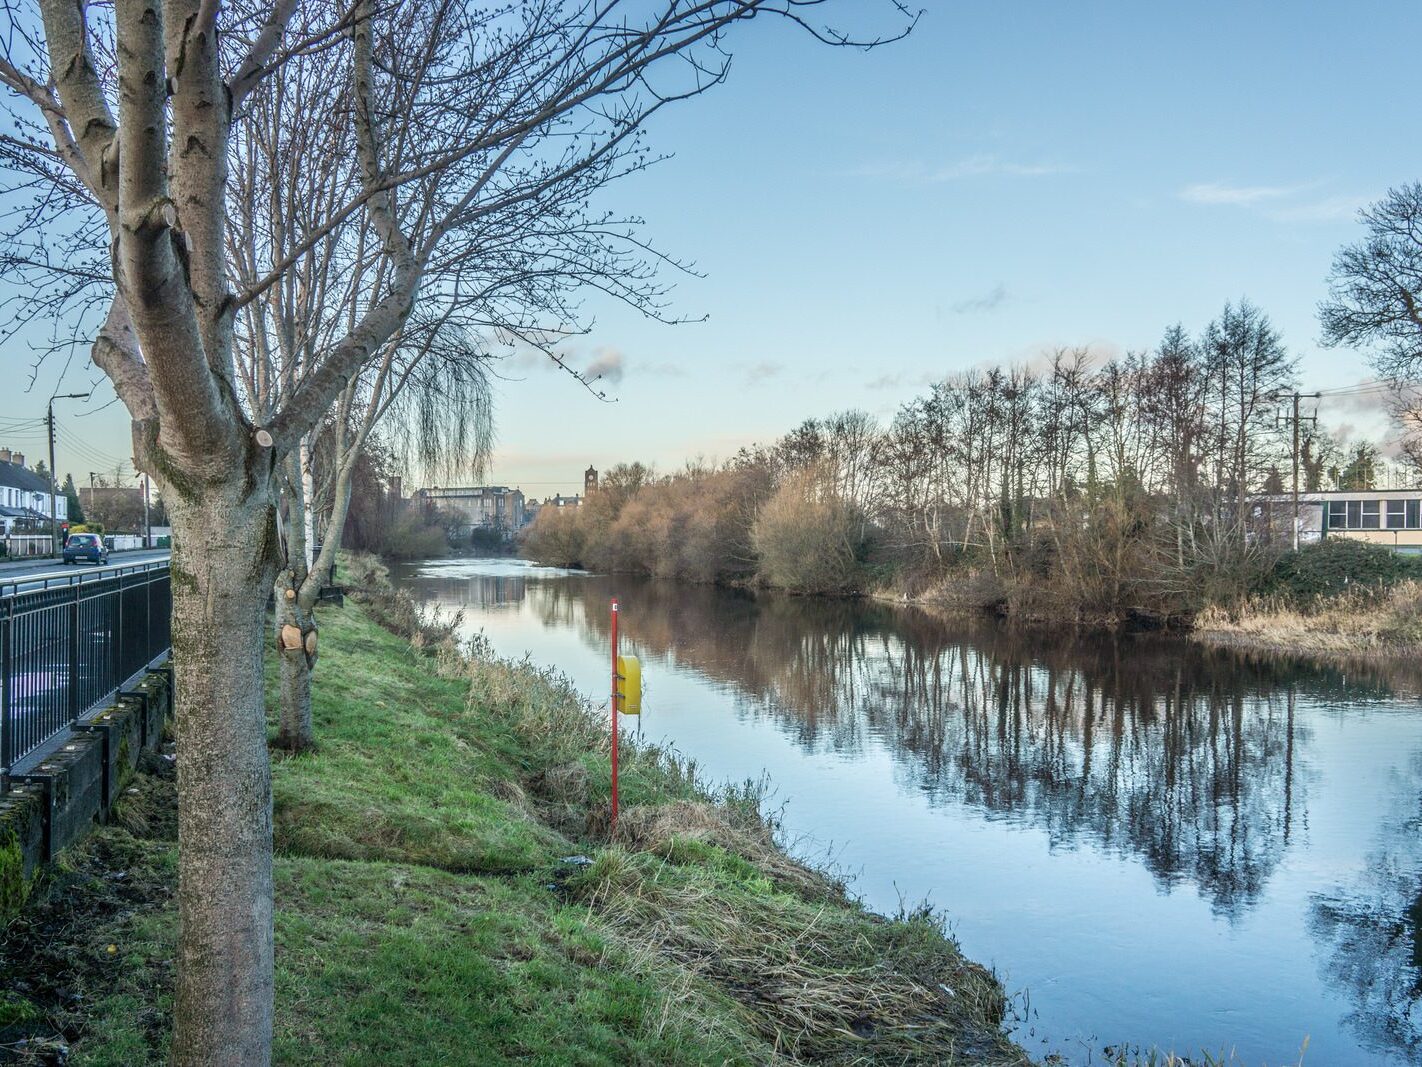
(1011, 178)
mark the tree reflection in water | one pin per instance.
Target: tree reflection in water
(1372, 929)
(1186, 758)
(1183, 757)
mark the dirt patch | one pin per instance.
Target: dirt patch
(69, 946)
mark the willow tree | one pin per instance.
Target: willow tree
(134, 109)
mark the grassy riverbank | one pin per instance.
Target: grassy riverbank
(1373, 626)
(447, 892)
(1339, 598)
(1383, 625)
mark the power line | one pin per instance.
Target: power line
(1367, 387)
(1294, 418)
(78, 443)
(89, 454)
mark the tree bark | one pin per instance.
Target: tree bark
(223, 562)
(308, 494)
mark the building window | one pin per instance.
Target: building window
(1373, 515)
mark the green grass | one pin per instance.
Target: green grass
(426, 914)
(402, 772)
(428, 967)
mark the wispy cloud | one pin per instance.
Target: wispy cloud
(1368, 397)
(663, 369)
(1281, 203)
(763, 371)
(885, 381)
(902, 380)
(1329, 209)
(916, 172)
(608, 364)
(527, 358)
(1236, 195)
(987, 302)
(603, 362)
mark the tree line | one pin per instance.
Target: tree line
(1070, 485)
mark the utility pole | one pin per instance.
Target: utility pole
(147, 529)
(54, 478)
(1294, 419)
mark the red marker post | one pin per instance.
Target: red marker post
(614, 713)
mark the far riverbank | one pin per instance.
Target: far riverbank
(1362, 621)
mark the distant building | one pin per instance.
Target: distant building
(590, 481)
(24, 490)
(563, 502)
(1388, 517)
(483, 507)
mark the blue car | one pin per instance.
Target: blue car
(87, 547)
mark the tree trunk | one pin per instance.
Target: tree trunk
(296, 648)
(298, 588)
(223, 561)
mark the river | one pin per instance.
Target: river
(1153, 844)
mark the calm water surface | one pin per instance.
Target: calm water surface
(1153, 844)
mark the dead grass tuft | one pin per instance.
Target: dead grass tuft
(819, 982)
(566, 783)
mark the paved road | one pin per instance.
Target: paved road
(26, 571)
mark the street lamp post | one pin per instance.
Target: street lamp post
(53, 477)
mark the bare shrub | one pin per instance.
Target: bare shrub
(809, 540)
(556, 538)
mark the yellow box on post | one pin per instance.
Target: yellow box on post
(629, 685)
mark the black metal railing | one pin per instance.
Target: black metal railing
(67, 646)
(52, 579)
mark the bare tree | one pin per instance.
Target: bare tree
(294, 159)
(1375, 286)
(851, 440)
(1247, 367)
(1173, 406)
(136, 109)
